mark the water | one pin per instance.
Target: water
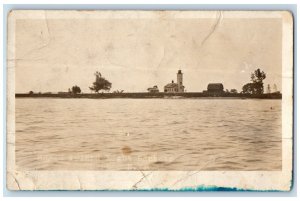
(148, 134)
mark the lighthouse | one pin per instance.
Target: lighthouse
(175, 87)
(180, 81)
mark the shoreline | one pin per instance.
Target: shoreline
(146, 95)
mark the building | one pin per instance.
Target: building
(171, 87)
(175, 87)
(215, 89)
(153, 89)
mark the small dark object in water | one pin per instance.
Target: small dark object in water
(158, 162)
(126, 150)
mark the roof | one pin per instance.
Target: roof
(153, 88)
(171, 85)
(215, 86)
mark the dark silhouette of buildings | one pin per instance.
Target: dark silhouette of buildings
(215, 89)
(153, 89)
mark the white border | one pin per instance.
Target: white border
(126, 180)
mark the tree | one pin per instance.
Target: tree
(257, 85)
(248, 88)
(275, 88)
(31, 92)
(258, 76)
(268, 89)
(76, 90)
(233, 91)
(253, 88)
(257, 79)
(100, 84)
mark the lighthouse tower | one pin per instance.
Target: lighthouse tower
(180, 81)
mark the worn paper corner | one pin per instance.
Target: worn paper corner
(287, 17)
(12, 184)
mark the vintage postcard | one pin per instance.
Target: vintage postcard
(150, 100)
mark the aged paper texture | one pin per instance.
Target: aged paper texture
(149, 100)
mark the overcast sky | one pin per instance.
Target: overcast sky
(135, 54)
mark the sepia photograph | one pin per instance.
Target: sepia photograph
(149, 100)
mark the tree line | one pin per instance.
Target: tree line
(256, 86)
(100, 84)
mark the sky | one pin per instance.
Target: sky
(134, 54)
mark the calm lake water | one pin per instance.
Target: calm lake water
(148, 134)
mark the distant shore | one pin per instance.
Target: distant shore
(147, 95)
